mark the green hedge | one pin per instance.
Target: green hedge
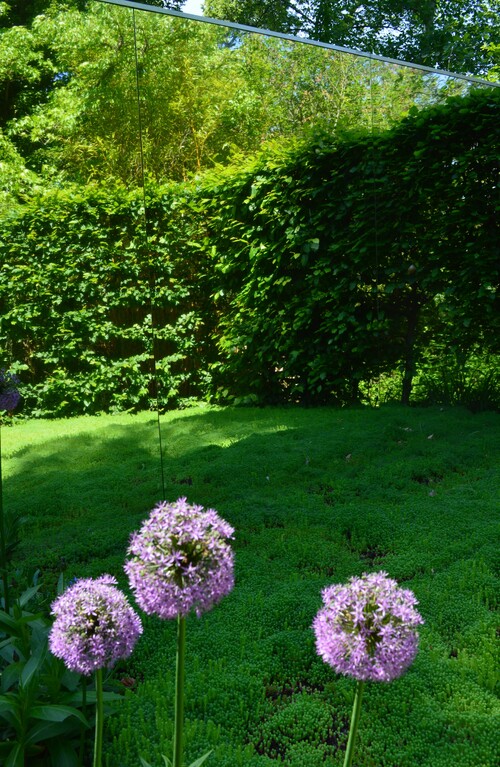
(294, 276)
(345, 260)
(92, 301)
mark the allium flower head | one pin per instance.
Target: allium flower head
(94, 626)
(9, 394)
(180, 560)
(367, 628)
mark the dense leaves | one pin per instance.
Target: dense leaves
(83, 299)
(343, 261)
(456, 35)
(290, 277)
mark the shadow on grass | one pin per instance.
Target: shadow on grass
(81, 494)
(86, 487)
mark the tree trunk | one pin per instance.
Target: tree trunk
(413, 310)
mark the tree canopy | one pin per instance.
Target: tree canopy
(70, 94)
(458, 35)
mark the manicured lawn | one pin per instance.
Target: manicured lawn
(316, 496)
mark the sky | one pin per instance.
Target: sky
(193, 6)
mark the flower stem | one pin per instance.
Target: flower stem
(84, 712)
(356, 711)
(179, 691)
(3, 553)
(99, 717)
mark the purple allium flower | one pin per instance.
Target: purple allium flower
(180, 560)
(9, 394)
(94, 626)
(367, 628)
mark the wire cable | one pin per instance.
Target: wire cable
(152, 274)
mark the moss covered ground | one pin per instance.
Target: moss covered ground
(316, 496)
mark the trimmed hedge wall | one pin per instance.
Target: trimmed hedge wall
(344, 261)
(89, 302)
(292, 277)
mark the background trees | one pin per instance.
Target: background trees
(70, 107)
(69, 93)
(450, 34)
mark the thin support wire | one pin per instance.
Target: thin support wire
(153, 279)
(375, 216)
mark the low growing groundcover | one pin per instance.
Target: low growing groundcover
(315, 496)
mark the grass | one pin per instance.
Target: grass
(315, 495)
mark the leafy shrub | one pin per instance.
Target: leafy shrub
(343, 261)
(471, 380)
(299, 276)
(85, 304)
(40, 720)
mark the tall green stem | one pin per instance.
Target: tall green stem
(84, 712)
(99, 718)
(179, 691)
(356, 711)
(3, 553)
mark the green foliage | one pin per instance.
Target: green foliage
(84, 299)
(303, 720)
(16, 180)
(168, 763)
(450, 34)
(341, 260)
(71, 105)
(40, 720)
(297, 276)
(472, 380)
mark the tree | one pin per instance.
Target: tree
(70, 93)
(204, 96)
(449, 34)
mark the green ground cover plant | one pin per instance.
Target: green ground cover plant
(315, 496)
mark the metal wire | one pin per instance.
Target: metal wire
(153, 280)
(375, 219)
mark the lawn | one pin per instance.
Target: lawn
(315, 496)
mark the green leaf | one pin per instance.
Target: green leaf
(108, 697)
(44, 730)
(63, 753)
(16, 756)
(27, 595)
(10, 675)
(9, 625)
(9, 710)
(34, 664)
(200, 761)
(56, 713)
(5, 748)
